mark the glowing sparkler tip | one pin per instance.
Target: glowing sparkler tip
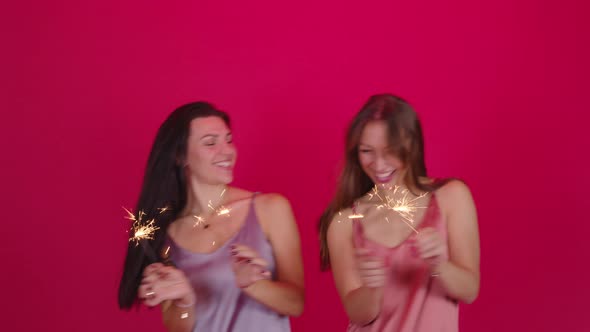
(223, 211)
(399, 200)
(141, 230)
(356, 216)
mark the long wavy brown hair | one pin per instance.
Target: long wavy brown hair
(407, 144)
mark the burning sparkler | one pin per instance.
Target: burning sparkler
(396, 199)
(143, 230)
(400, 200)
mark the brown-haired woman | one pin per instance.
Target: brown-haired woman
(396, 272)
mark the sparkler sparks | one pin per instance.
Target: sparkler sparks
(400, 200)
(141, 230)
(164, 209)
(397, 199)
(218, 211)
(199, 221)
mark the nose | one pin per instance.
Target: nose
(380, 163)
(228, 148)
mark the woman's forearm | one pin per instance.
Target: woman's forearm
(282, 297)
(459, 283)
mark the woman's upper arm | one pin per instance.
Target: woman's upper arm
(279, 224)
(342, 256)
(463, 232)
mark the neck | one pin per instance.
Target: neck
(202, 199)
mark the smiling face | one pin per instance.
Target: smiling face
(376, 155)
(211, 154)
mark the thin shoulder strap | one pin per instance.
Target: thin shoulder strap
(252, 199)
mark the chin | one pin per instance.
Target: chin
(219, 180)
(226, 180)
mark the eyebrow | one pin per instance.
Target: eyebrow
(214, 135)
(364, 145)
(209, 135)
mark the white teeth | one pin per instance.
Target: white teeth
(384, 175)
(223, 164)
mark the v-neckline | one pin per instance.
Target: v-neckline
(231, 239)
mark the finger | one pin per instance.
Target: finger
(363, 252)
(145, 291)
(170, 272)
(149, 279)
(431, 244)
(425, 246)
(433, 252)
(427, 251)
(372, 259)
(426, 230)
(363, 259)
(152, 268)
(424, 233)
(152, 300)
(245, 268)
(244, 252)
(372, 270)
(238, 263)
(371, 275)
(374, 282)
(370, 265)
(258, 262)
(425, 240)
(240, 247)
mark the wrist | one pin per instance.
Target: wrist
(185, 302)
(436, 270)
(249, 288)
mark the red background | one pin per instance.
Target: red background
(499, 87)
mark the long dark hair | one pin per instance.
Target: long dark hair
(406, 140)
(164, 185)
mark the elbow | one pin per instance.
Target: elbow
(361, 315)
(298, 305)
(470, 299)
(296, 311)
(362, 319)
(469, 290)
(470, 296)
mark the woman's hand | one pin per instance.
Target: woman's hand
(371, 269)
(161, 283)
(248, 266)
(430, 246)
